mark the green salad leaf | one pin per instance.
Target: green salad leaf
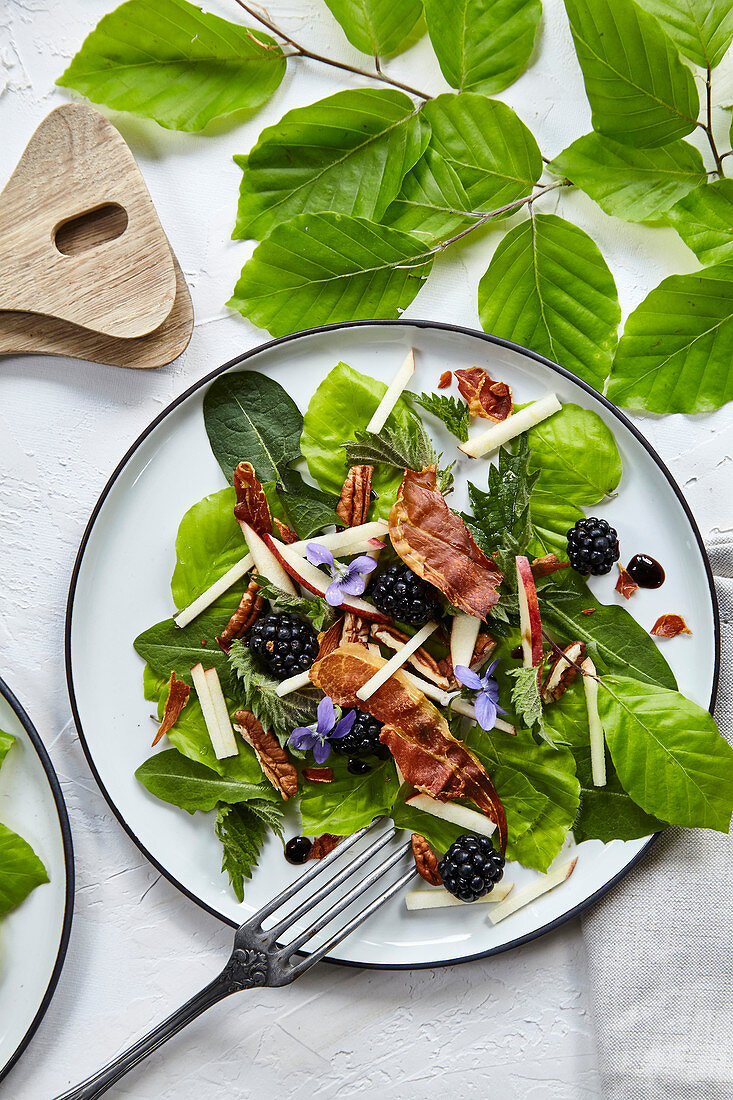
(379, 27)
(250, 418)
(549, 288)
(6, 742)
(20, 870)
(482, 45)
(316, 610)
(278, 713)
(317, 269)
(701, 29)
(676, 351)
(349, 802)
(439, 833)
(342, 405)
(189, 784)
(636, 184)
(170, 61)
(704, 220)
(576, 456)
(347, 153)
(242, 830)
(480, 157)
(208, 543)
(168, 648)
(550, 773)
(452, 412)
(639, 90)
(308, 509)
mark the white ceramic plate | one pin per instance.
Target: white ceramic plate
(120, 587)
(34, 936)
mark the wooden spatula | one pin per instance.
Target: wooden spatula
(83, 252)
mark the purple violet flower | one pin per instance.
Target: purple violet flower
(326, 729)
(486, 703)
(349, 580)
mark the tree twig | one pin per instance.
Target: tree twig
(707, 126)
(303, 51)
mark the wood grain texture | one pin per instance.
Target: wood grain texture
(35, 334)
(77, 162)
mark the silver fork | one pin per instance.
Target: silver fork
(258, 959)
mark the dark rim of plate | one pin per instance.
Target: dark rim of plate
(58, 798)
(404, 323)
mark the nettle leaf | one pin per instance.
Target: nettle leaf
(346, 154)
(668, 753)
(575, 455)
(483, 45)
(321, 268)
(701, 29)
(635, 184)
(170, 61)
(452, 412)
(343, 404)
(549, 288)
(481, 156)
(191, 785)
(526, 700)
(20, 870)
(640, 92)
(242, 830)
(349, 802)
(379, 27)
(250, 418)
(704, 220)
(676, 353)
(500, 521)
(551, 519)
(280, 714)
(208, 543)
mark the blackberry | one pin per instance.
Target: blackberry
(471, 867)
(592, 546)
(285, 644)
(362, 739)
(400, 593)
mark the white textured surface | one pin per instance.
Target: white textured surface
(516, 1023)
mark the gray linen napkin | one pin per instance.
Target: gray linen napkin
(660, 946)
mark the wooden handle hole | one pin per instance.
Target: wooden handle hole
(93, 227)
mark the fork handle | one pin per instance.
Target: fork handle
(245, 970)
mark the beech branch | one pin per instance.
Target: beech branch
(481, 219)
(299, 50)
(707, 126)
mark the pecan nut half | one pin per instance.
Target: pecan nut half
(562, 672)
(244, 617)
(356, 496)
(273, 759)
(426, 860)
(355, 629)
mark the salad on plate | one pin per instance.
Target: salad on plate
(346, 645)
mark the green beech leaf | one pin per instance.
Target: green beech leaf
(208, 543)
(676, 353)
(701, 29)
(6, 741)
(20, 870)
(349, 802)
(170, 61)
(668, 753)
(704, 220)
(250, 418)
(635, 184)
(483, 45)
(379, 27)
(614, 639)
(347, 154)
(576, 456)
(639, 90)
(549, 288)
(342, 405)
(551, 519)
(481, 156)
(550, 772)
(192, 786)
(321, 268)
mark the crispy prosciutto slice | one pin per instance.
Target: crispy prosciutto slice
(251, 507)
(417, 735)
(437, 545)
(178, 693)
(669, 626)
(485, 397)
